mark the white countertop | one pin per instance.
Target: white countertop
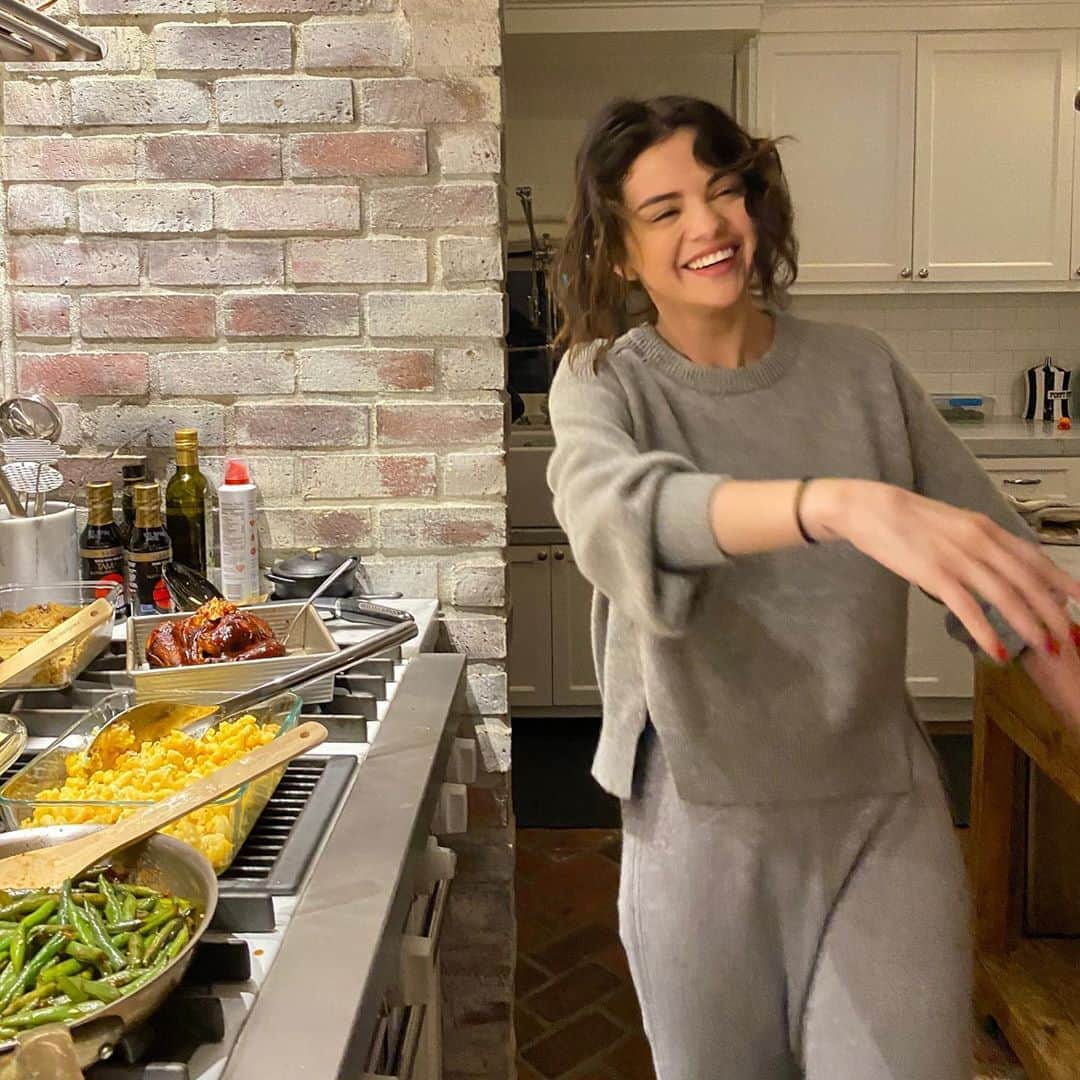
(1019, 438)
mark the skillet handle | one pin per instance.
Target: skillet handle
(47, 1053)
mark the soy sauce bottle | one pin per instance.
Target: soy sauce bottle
(148, 551)
(185, 503)
(135, 473)
(101, 551)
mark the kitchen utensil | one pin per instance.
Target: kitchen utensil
(33, 479)
(12, 739)
(1047, 389)
(151, 719)
(188, 587)
(327, 583)
(10, 497)
(31, 450)
(297, 577)
(49, 866)
(30, 416)
(362, 612)
(162, 862)
(82, 623)
(44, 549)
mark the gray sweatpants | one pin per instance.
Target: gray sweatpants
(826, 940)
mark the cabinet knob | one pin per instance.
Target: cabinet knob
(923, 272)
(541, 556)
(1024, 481)
(906, 272)
(559, 556)
(1078, 271)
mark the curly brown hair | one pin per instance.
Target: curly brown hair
(595, 301)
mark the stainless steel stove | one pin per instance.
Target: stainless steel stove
(196, 1033)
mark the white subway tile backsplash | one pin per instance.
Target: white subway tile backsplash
(935, 382)
(973, 340)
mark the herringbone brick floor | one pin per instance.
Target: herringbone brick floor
(577, 1016)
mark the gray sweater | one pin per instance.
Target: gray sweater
(769, 677)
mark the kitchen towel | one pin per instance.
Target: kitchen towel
(1057, 521)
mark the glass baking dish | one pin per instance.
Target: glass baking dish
(56, 672)
(217, 830)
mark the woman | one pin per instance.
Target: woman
(750, 495)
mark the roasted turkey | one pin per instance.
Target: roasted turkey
(216, 633)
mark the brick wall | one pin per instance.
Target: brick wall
(279, 221)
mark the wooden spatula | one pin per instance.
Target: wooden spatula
(46, 867)
(58, 638)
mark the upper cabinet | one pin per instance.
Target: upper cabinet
(932, 157)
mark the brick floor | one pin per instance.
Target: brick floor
(577, 1016)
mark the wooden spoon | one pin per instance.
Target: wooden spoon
(48, 867)
(60, 637)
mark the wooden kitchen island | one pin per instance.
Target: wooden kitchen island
(1030, 986)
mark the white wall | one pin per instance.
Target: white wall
(556, 82)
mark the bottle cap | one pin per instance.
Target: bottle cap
(147, 494)
(236, 472)
(186, 438)
(99, 493)
(135, 471)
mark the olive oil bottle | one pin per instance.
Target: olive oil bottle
(148, 551)
(101, 551)
(185, 503)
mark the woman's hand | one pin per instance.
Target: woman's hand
(952, 554)
(1058, 679)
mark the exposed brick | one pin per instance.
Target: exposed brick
(474, 476)
(301, 425)
(284, 101)
(429, 527)
(40, 208)
(362, 371)
(347, 527)
(36, 103)
(420, 102)
(121, 45)
(438, 314)
(466, 150)
(66, 157)
(216, 262)
(138, 102)
(478, 584)
(297, 7)
(84, 374)
(368, 476)
(374, 260)
(53, 261)
(358, 153)
(248, 47)
(443, 206)
(292, 315)
(155, 425)
(471, 258)
(486, 692)
(41, 315)
(439, 424)
(463, 36)
(213, 157)
(157, 209)
(275, 476)
(482, 637)
(79, 469)
(222, 374)
(475, 367)
(176, 316)
(307, 207)
(410, 575)
(355, 43)
(174, 8)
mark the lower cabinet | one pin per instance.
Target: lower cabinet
(551, 664)
(937, 665)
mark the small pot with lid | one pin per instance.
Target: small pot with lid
(298, 576)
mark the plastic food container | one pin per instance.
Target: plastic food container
(57, 671)
(964, 408)
(231, 817)
(311, 640)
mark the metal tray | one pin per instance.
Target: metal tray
(153, 684)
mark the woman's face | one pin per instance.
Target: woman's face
(690, 241)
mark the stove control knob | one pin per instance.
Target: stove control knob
(451, 810)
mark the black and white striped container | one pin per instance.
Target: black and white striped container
(1048, 388)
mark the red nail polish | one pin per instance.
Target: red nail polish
(1053, 646)
(1074, 630)
(1002, 654)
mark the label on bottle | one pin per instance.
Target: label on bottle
(146, 583)
(240, 579)
(104, 567)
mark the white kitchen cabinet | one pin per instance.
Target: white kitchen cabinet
(994, 155)
(848, 102)
(573, 674)
(1036, 478)
(926, 157)
(937, 665)
(529, 662)
(1076, 176)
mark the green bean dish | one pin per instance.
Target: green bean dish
(67, 952)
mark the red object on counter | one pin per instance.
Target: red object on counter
(1064, 424)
